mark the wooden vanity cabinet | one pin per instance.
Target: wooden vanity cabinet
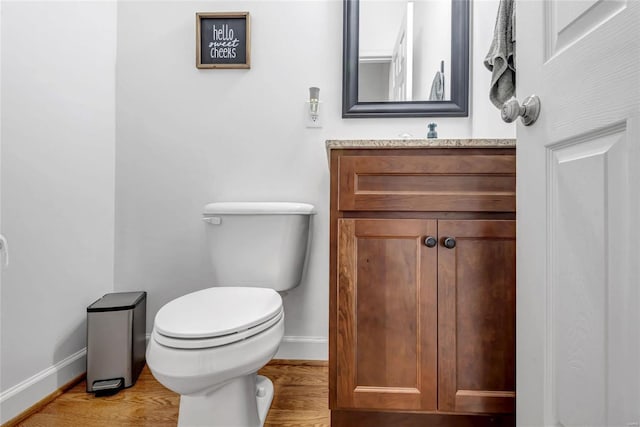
(422, 333)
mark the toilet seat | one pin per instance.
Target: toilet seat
(217, 316)
(195, 343)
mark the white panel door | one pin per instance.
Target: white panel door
(578, 328)
(401, 87)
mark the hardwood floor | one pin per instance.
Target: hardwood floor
(301, 400)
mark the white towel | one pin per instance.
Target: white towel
(437, 87)
(501, 57)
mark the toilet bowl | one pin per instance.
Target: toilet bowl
(210, 354)
(208, 345)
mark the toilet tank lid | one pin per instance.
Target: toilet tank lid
(259, 208)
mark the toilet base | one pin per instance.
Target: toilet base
(242, 402)
(264, 396)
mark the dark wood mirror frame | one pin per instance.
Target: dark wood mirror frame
(457, 106)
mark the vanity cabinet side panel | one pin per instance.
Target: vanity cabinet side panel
(334, 159)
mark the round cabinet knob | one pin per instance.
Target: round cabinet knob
(449, 242)
(530, 110)
(430, 242)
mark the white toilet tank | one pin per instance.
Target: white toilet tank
(260, 244)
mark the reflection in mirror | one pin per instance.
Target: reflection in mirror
(404, 50)
(405, 58)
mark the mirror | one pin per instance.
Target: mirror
(406, 58)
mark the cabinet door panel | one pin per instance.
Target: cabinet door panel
(476, 332)
(387, 330)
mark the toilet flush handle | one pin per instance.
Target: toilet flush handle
(4, 250)
(214, 220)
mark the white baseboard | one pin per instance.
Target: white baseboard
(303, 348)
(22, 396)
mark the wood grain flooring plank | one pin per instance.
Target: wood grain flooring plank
(300, 400)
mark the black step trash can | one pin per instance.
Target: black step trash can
(116, 341)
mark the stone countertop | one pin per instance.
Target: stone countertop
(340, 144)
(337, 144)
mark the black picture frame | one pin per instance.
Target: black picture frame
(457, 106)
(223, 40)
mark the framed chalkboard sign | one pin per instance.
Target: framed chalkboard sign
(223, 40)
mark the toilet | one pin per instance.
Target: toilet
(208, 345)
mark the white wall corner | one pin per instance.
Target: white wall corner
(23, 395)
(303, 348)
